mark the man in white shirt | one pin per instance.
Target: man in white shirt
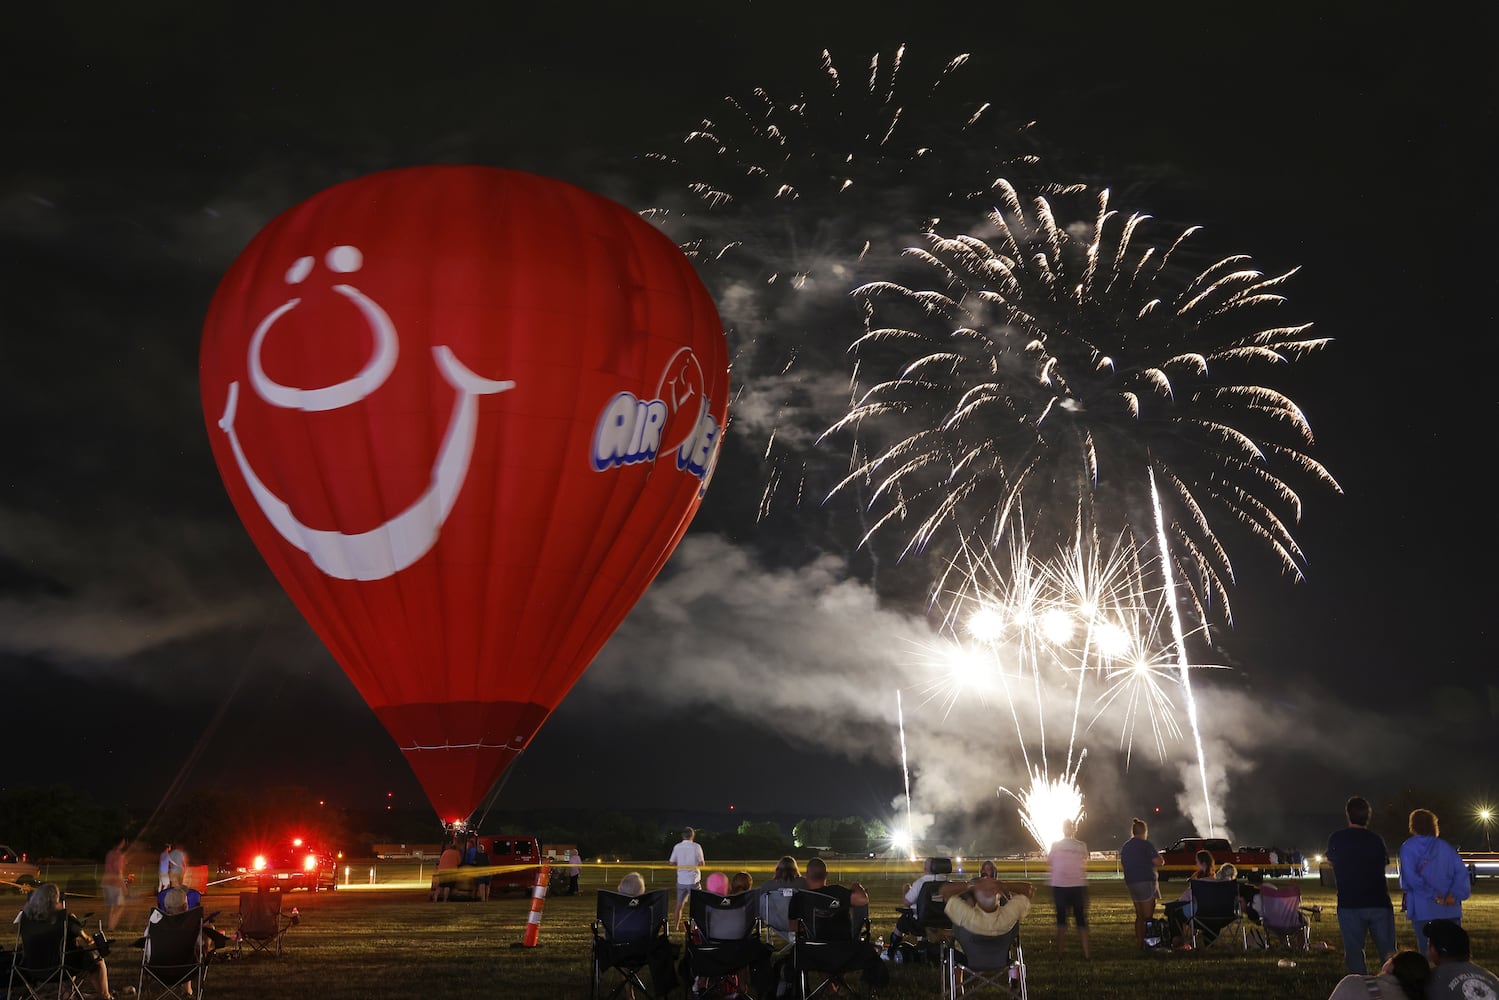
(687, 858)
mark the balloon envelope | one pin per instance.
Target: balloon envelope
(465, 414)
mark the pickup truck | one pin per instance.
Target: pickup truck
(15, 873)
(1181, 857)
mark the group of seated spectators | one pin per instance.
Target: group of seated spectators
(984, 905)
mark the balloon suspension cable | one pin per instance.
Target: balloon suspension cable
(494, 793)
(175, 787)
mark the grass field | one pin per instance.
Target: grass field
(382, 942)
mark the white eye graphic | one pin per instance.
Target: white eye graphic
(298, 272)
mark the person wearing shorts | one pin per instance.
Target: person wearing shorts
(687, 859)
(1067, 864)
(1139, 859)
(112, 885)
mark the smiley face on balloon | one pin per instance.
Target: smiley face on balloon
(407, 536)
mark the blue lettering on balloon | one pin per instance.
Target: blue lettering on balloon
(628, 431)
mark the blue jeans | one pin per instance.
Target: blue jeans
(1357, 923)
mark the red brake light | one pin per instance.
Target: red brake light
(259, 863)
(309, 863)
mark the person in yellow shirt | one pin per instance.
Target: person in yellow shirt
(986, 906)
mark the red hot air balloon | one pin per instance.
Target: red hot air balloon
(466, 414)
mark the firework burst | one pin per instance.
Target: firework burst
(1061, 367)
(790, 197)
(1072, 644)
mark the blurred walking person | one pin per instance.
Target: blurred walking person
(113, 883)
(1067, 864)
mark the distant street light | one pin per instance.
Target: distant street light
(1486, 817)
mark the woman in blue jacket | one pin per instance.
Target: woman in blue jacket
(1434, 878)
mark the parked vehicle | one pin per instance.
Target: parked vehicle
(16, 872)
(289, 864)
(1181, 857)
(516, 859)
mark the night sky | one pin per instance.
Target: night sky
(145, 649)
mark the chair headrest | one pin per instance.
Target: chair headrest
(939, 866)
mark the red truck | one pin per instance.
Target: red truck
(1181, 857)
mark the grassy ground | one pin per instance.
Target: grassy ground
(391, 943)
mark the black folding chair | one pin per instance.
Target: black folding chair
(629, 934)
(972, 962)
(829, 945)
(1215, 908)
(44, 964)
(262, 925)
(175, 961)
(723, 944)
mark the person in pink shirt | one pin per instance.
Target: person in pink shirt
(1067, 862)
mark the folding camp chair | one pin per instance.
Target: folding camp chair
(971, 962)
(827, 943)
(1215, 908)
(932, 929)
(262, 925)
(1282, 916)
(175, 961)
(629, 934)
(723, 942)
(40, 967)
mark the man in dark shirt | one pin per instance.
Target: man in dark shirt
(1454, 974)
(1359, 858)
(854, 901)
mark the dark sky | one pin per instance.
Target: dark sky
(146, 148)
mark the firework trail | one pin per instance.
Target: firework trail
(905, 769)
(1181, 651)
(789, 197)
(1064, 370)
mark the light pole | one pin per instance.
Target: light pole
(1486, 817)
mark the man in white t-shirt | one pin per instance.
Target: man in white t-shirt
(687, 858)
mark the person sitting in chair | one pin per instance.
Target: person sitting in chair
(1179, 910)
(179, 900)
(864, 957)
(907, 924)
(42, 912)
(987, 907)
(662, 960)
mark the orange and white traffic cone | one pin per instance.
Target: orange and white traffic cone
(538, 901)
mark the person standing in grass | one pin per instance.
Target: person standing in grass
(1067, 862)
(1433, 876)
(1359, 857)
(1139, 859)
(687, 858)
(112, 885)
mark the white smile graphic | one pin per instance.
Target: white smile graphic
(391, 547)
